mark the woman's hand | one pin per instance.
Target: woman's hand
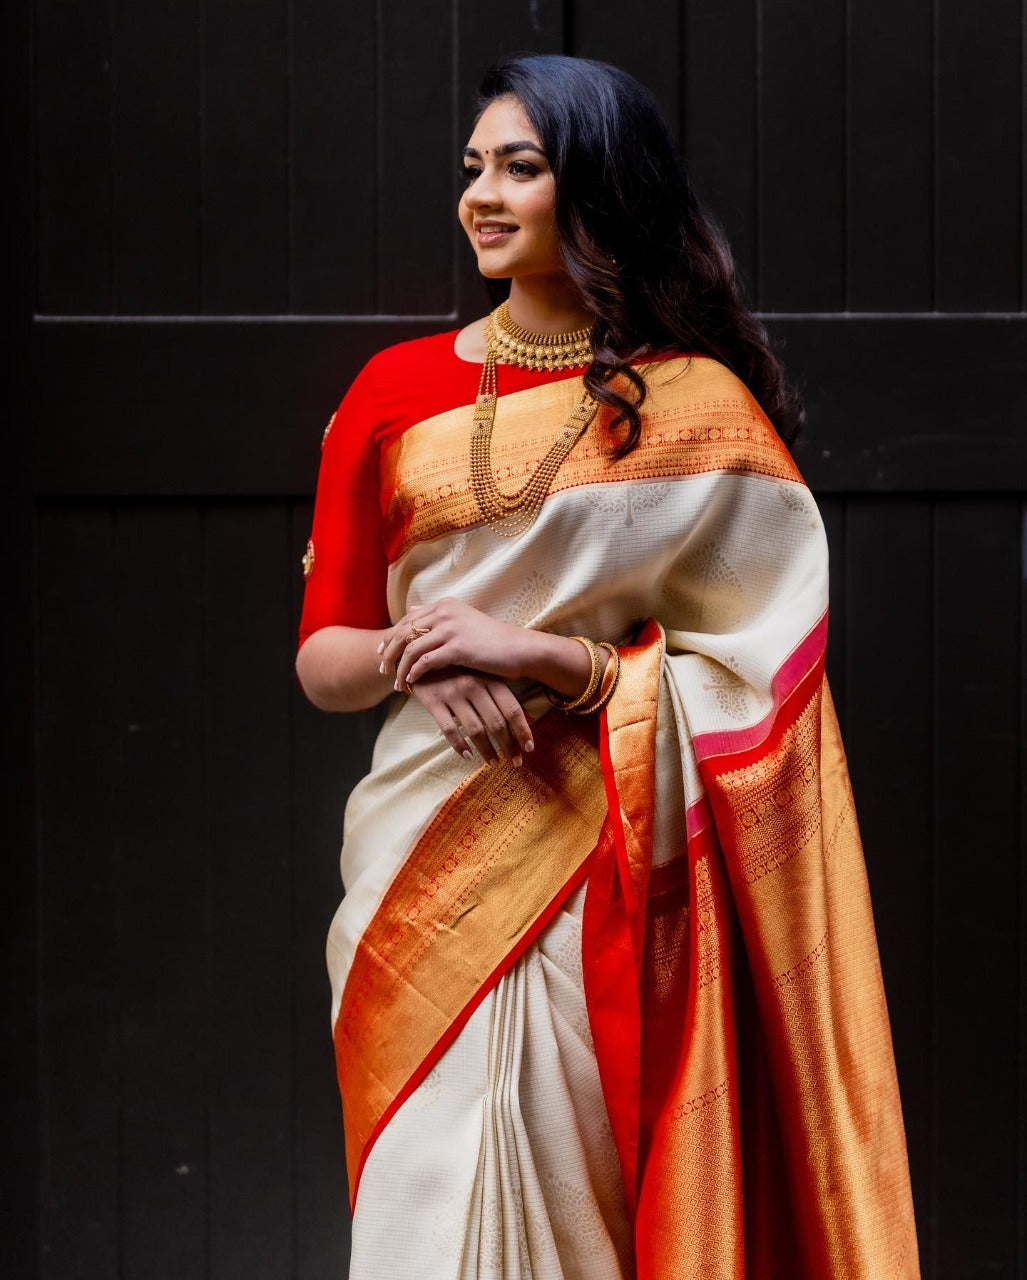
(450, 633)
(471, 706)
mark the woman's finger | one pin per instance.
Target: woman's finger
(391, 648)
(496, 724)
(513, 713)
(438, 707)
(432, 652)
(452, 731)
(473, 727)
(396, 640)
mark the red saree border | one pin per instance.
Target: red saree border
(613, 930)
(748, 1072)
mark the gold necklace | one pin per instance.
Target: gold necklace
(509, 514)
(529, 350)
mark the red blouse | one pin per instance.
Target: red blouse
(346, 564)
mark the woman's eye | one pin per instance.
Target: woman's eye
(468, 173)
(522, 169)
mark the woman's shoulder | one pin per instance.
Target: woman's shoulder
(411, 381)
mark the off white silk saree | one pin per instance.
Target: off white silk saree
(620, 1012)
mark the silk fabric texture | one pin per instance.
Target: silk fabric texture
(620, 1012)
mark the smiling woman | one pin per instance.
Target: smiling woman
(606, 999)
(509, 206)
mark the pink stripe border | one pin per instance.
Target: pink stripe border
(698, 817)
(788, 676)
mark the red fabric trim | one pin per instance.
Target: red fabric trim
(611, 988)
(613, 929)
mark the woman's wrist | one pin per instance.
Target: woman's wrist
(559, 662)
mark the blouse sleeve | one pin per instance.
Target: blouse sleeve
(345, 564)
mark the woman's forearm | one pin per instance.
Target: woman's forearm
(338, 669)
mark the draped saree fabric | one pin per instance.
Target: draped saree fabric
(619, 1012)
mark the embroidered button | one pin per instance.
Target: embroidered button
(308, 560)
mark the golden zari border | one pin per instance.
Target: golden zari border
(697, 418)
(500, 854)
(791, 846)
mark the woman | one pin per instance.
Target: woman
(606, 992)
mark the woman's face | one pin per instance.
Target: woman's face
(509, 207)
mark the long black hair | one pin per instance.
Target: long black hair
(650, 261)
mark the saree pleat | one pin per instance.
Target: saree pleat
(516, 1172)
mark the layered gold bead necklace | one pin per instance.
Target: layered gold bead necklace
(510, 514)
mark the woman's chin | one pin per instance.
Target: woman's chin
(493, 271)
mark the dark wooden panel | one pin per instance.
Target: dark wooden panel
(20, 1177)
(156, 158)
(231, 409)
(610, 31)
(910, 405)
(802, 155)
(334, 157)
(720, 117)
(976, 888)
(980, 147)
(19, 940)
(1021, 1011)
(417, 193)
(891, 168)
(485, 35)
(890, 682)
(164, 895)
(251, 1082)
(244, 157)
(80, 871)
(73, 101)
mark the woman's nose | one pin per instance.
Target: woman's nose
(481, 193)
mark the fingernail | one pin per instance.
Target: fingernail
(381, 647)
(381, 668)
(398, 687)
(467, 755)
(517, 762)
(529, 746)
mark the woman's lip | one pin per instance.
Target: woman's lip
(486, 235)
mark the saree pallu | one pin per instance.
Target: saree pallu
(620, 1012)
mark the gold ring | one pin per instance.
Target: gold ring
(416, 633)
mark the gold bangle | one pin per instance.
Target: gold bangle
(593, 680)
(609, 681)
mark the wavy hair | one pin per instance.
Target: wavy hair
(650, 261)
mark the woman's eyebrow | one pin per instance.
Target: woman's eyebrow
(505, 149)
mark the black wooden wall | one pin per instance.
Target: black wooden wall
(219, 210)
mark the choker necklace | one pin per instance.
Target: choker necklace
(509, 514)
(516, 345)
